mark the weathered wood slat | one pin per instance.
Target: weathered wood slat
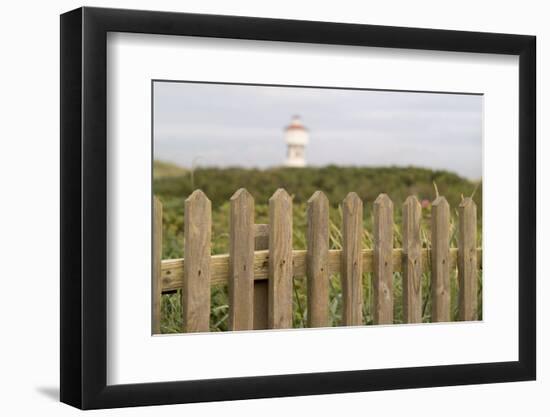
(352, 262)
(280, 261)
(412, 261)
(261, 289)
(196, 269)
(467, 260)
(241, 261)
(156, 289)
(440, 279)
(383, 266)
(317, 270)
(172, 269)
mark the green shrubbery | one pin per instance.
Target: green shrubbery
(172, 185)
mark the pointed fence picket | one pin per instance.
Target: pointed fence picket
(262, 264)
(467, 260)
(440, 282)
(241, 261)
(279, 312)
(352, 260)
(317, 260)
(196, 269)
(412, 261)
(383, 267)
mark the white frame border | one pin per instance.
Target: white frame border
(133, 356)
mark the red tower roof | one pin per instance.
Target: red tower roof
(296, 124)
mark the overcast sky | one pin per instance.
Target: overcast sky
(237, 125)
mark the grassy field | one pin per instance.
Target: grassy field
(173, 184)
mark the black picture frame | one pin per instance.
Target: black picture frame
(84, 207)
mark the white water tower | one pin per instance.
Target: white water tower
(296, 137)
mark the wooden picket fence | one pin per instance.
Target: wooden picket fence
(262, 263)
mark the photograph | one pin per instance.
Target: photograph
(294, 203)
(291, 207)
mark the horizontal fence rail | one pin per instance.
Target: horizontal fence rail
(261, 264)
(172, 269)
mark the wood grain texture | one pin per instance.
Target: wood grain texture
(241, 261)
(440, 280)
(172, 269)
(383, 266)
(352, 260)
(156, 290)
(467, 260)
(412, 261)
(280, 261)
(196, 271)
(317, 260)
(261, 287)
